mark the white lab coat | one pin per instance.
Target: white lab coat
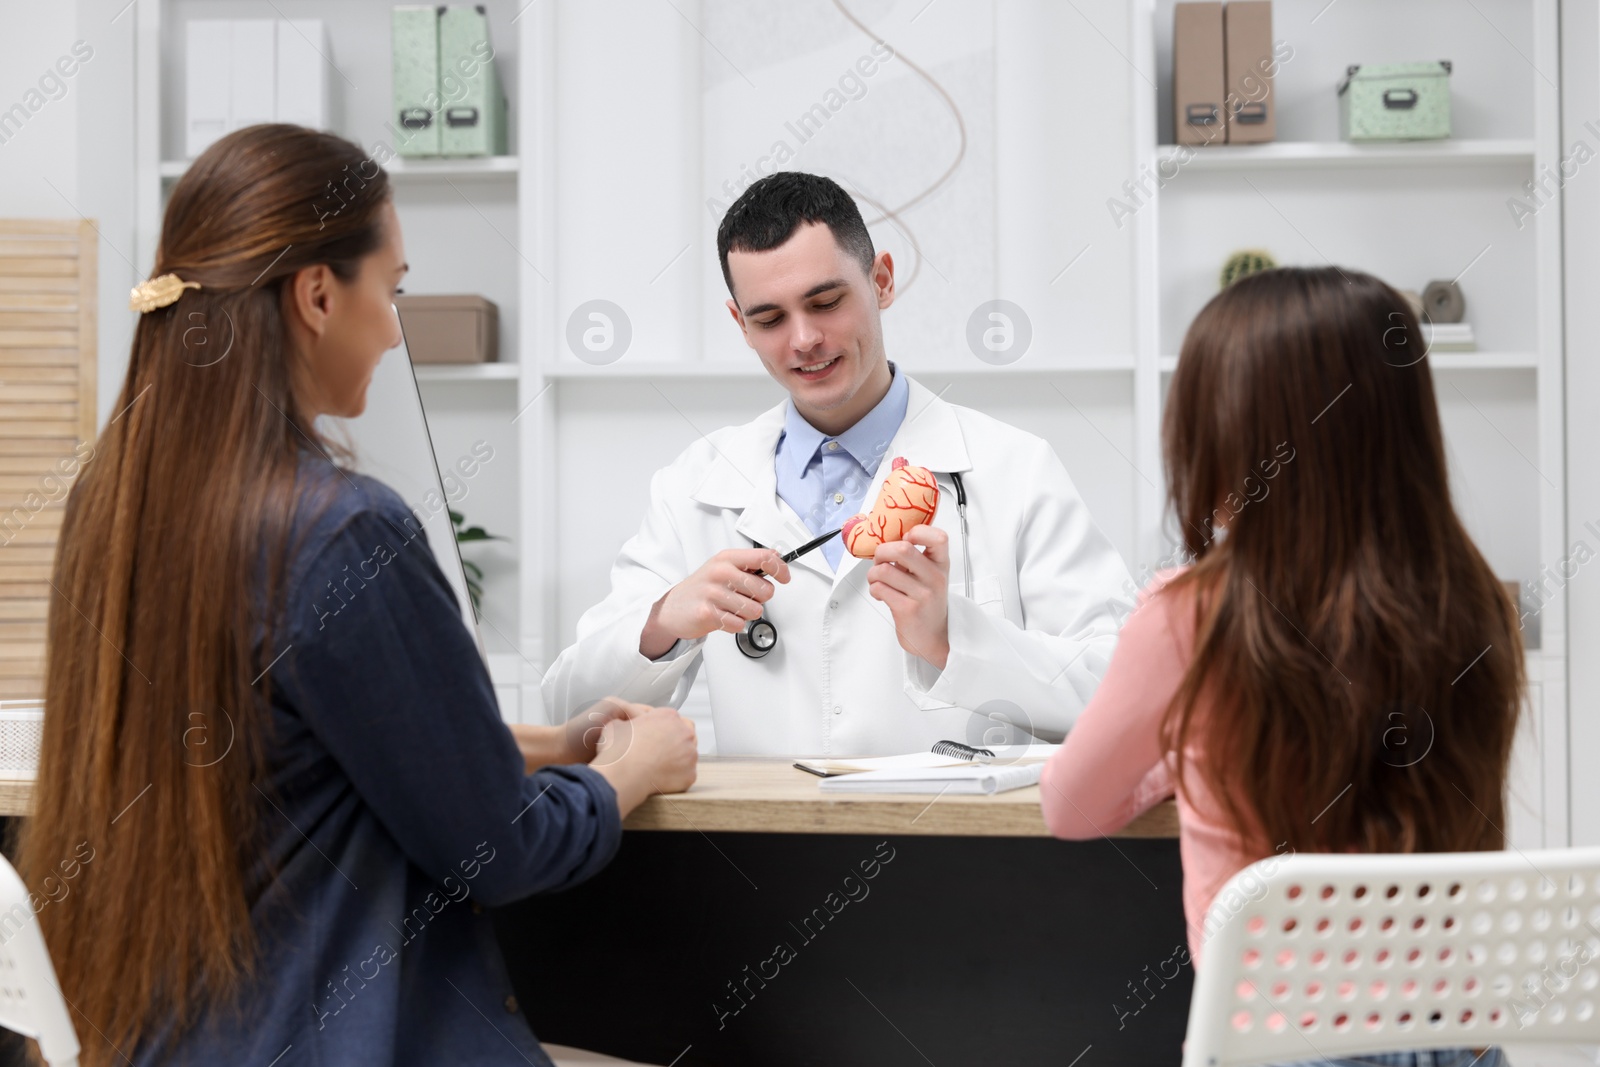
(1028, 648)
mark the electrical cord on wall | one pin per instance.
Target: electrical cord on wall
(893, 215)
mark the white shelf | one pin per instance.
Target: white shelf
(1319, 155)
(446, 167)
(403, 169)
(1107, 364)
(1444, 361)
(1484, 360)
(642, 370)
(466, 372)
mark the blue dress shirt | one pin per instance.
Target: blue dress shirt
(825, 479)
(396, 806)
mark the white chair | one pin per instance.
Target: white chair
(30, 998)
(1321, 956)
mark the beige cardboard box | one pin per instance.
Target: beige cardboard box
(1198, 74)
(1252, 113)
(450, 328)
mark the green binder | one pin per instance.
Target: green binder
(414, 118)
(472, 105)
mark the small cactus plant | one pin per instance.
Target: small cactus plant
(1250, 261)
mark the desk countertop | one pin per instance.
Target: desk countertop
(16, 796)
(772, 796)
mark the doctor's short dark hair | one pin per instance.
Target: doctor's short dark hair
(767, 214)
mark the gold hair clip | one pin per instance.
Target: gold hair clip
(158, 292)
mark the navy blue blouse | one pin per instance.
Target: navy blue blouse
(398, 807)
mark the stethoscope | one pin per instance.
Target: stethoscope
(760, 635)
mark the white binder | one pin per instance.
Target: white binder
(253, 68)
(302, 79)
(209, 43)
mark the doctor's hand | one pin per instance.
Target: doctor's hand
(724, 594)
(916, 587)
(653, 751)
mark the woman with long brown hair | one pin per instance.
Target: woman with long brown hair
(264, 717)
(1337, 669)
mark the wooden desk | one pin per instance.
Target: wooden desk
(773, 796)
(982, 940)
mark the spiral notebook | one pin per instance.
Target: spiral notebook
(949, 766)
(942, 754)
(976, 778)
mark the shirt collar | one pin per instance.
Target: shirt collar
(869, 438)
(866, 441)
(799, 441)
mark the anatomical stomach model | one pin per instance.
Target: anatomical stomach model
(909, 497)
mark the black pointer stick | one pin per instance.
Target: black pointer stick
(790, 557)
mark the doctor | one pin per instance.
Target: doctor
(873, 656)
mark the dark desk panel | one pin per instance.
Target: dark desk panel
(695, 949)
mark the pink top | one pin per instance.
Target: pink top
(1111, 767)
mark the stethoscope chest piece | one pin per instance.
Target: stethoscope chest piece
(757, 638)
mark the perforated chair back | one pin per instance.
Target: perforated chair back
(30, 998)
(1321, 956)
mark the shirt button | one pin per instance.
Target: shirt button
(838, 498)
(511, 1005)
(833, 604)
(833, 446)
(837, 709)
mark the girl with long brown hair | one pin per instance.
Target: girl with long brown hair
(1337, 669)
(264, 717)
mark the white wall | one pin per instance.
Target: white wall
(1581, 104)
(73, 155)
(44, 148)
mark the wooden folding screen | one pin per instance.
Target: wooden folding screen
(47, 410)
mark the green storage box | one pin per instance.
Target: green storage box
(414, 31)
(1395, 102)
(473, 105)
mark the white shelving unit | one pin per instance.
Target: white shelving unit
(1444, 361)
(1409, 212)
(640, 370)
(402, 169)
(462, 229)
(468, 372)
(1322, 155)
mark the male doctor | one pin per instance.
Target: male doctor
(873, 656)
